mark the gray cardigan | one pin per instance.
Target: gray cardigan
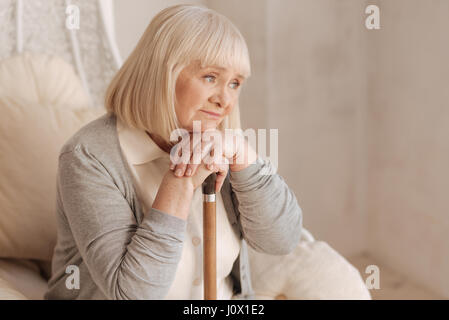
(119, 252)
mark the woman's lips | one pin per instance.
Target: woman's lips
(212, 114)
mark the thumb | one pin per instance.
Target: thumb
(221, 176)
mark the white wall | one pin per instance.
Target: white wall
(316, 88)
(133, 16)
(408, 149)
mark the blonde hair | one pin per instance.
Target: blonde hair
(142, 93)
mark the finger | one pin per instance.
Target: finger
(210, 167)
(176, 155)
(206, 150)
(195, 160)
(219, 164)
(219, 182)
(216, 153)
(222, 171)
(221, 144)
(180, 170)
(221, 176)
(185, 159)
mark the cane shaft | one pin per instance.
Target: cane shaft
(210, 251)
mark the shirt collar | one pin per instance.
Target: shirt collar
(138, 147)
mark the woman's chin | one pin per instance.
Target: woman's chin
(205, 125)
(212, 125)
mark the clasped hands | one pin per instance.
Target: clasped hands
(200, 154)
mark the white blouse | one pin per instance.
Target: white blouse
(149, 163)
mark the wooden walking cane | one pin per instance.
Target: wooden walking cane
(209, 238)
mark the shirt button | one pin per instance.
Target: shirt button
(196, 241)
(197, 282)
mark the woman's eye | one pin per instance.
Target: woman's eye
(209, 77)
(236, 85)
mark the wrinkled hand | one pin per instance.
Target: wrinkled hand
(198, 158)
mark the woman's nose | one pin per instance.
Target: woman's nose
(221, 98)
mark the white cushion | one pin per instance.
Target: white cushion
(42, 104)
(43, 79)
(8, 292)
(312, 271)
(24, 276)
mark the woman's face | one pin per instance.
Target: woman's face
(206, 94)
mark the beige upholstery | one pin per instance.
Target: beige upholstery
(43, 79)
(23, 275)
(42, 104)
(7, 292)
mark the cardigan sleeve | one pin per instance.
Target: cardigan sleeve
(125, 259)
(268, 212)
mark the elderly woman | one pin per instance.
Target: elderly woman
(129, 218)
